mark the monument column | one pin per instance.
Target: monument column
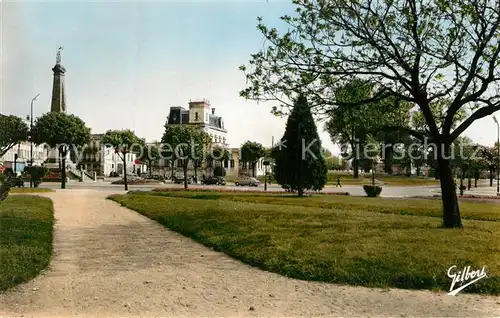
(58, 94)
(57, 105)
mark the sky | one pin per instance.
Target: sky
(127, 62)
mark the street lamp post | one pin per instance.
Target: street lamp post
(265, 163)
(31, 138)
(498, 154)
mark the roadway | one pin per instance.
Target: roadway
(356, 190)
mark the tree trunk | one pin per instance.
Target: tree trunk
(451, 210)
(418, 171)
(195, 164)
(63, 170)
(125, 172)
(388, 160)
(253, 169)
(469, 183)
(491, 177)
(172, 170)
(185, 168)
(355, 168)
(373, 173)
(150, 168)
(462, 176)
(300, 192)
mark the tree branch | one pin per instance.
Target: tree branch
(478, 114)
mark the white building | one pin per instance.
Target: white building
(104, 161)
(201, 115)
(23, 151)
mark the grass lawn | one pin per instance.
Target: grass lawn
(26, 238)
(418, 207)
(30, 190)
(344, 243)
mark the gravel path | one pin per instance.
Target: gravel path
(110, 261)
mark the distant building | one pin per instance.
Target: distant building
(102, 160)
(23, 151)
(201, 115)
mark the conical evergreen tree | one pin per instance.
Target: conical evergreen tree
(299, 164)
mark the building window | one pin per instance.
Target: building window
(225, 163)
(232, 163)
(179, 163)
(210, 163)
(196, 116)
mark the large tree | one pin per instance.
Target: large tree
(418, 51)
(124, 142)
(251, 152)
(185, 143)
(299, 161)
(63, 132)
(13, 130)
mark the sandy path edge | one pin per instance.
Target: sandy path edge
(110, 261)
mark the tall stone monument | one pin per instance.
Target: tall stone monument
(58, 94)
(58, 104)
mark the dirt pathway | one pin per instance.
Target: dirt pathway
(110, 261)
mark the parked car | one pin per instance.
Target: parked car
(180, 180)
(247, 181)
(214, 180)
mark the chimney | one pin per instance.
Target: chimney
(213, 111)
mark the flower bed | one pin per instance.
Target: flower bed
(472, 196)
(197, 189)
(132, 182)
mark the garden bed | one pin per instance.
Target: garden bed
(226, 190)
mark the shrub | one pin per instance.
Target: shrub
(4, 187)
(372, 190)
(219, 171)
(37, 173)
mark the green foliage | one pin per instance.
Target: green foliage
(295, 166)
(13, 131)
(372, 191)
(61, 130)
(404, 47)
(333, 162)
(185, 143)
(150, 154)
(123, 141)
(219, 171)
(251, 152)
(4, 187)
(219, 153)
(37, 173)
